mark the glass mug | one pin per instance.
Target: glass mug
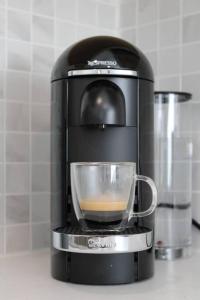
(103, 194)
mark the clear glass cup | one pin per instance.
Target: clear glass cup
(103, 194)
(173, 174)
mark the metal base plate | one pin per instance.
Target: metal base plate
(125, 242)
(172, 253)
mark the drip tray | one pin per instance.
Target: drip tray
(74, 240)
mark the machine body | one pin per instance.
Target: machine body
(101, 110)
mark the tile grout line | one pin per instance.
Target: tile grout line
(5, 116)
(157, 85)
(55, 57)
(181, 45)
(46, 45)
(76, 18)
(54, 28)
(25, 224)
(136, 22)
(30, 128)
(37, 193)
(19, 10)
(117, 18)
(25, 132)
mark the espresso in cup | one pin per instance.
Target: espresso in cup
(103, 208)
(103, 194)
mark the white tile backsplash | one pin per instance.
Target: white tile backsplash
(2, 3)
(127, 16)
(17, 238)
(169, 83)
(175, 60)
(1, 240)
(20, 83)
(40, 88)
(44, 7)
(43, 59)
(191, 26)
(32, 34)
(43, 30)
(40, 235)
(195, 108)
(26, 60)
(169, 8)
(169, 33)
(17, 209)
(191, 6)
(87, 12)
(1, 210)
(106, 16)
(147, 11)
(196, 146)
(40, 118)
(40, 178)
(1, 147)
(186, 120)
(129, 35)
(169, 61)
(190, 61)
(85, 31)
(20, 4)
(41, 147)
(2, 54)
(2, 84)
(191, 84)
(19, 25)
(2, 179)
(17, 147)
(17, 178)
(195, 176)
(2, 114)
(40, 208)
(19, 55)
(147, 37)
(13, 121)
(66, 9)
(65, 33)
(2, 22)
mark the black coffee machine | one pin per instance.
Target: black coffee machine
(101, 111)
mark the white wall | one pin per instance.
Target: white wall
(32, 34)
(168, 33)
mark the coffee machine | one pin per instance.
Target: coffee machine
(101, 111)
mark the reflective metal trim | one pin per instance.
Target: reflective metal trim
(102, 244)
(172, 253)
(105, 72)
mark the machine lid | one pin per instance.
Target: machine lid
(102, 53)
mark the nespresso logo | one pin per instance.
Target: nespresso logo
(102, 62)
(100, 243)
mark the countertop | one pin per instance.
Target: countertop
(27, 277)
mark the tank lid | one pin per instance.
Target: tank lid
(164, 96)
(102, 52)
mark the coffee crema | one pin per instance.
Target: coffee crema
(103, 203)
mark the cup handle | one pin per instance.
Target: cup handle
(153, 205)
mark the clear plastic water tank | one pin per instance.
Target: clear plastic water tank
(173, 174)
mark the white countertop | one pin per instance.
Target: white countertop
(27, 277)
